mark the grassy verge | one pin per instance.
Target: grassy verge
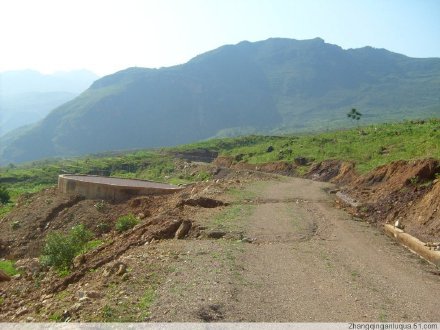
(368, 146)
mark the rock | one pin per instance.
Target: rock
(270, 149)
(30, 266)
(122, 269)
(37, 307)
(21, 311)
(30, 319)
(216, 234)
(66, 316)
(79, 260)
(46, 296)
(81, 294)
(93, 294)
(75, 307)
(183, 230)
(4, 277)
(248, 240)
(301, 161)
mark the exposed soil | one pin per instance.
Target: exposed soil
(252, 247)
(404, 191)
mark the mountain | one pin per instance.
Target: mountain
(271, 86)
(27, 96)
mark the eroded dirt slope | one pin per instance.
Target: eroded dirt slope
(408, 191)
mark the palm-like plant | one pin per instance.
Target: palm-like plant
(353, 114)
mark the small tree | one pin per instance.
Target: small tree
(4, 196)
(353, 114)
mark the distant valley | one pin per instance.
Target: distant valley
(271, 87)
(28, 96)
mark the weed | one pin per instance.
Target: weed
(383, 316)
(60, 250)
(5, 197)
(146, 302)
(15, 225)
(103, 227)
(126, 222)
(414, 180)
(101, 206)
(8, 267)
(56, 317)
(107, 313)
(2, 300)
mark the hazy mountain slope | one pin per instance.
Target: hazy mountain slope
(27, 96)
(269, 86)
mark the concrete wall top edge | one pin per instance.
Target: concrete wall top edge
(119, 182)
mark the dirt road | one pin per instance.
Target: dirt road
(308, 262)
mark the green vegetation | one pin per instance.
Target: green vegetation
(368, 146)
(353, 114)
(4, 196)
(8, 267)
(60, 249)
(146, 302)
(126, 222)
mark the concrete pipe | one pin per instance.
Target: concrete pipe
(413, 244)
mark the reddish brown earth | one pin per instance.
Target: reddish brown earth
(408, 191)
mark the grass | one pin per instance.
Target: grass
(8, 267)
(146, 302)
(126, 222)
(368, 146)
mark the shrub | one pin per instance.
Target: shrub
(60, 249)
(4, 196)
(126, 222)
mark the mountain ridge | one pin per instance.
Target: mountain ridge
(273, 86)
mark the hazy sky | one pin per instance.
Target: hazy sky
(109, 35)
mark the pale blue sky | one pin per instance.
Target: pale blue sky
(109, 35)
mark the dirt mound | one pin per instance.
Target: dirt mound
(282, 167)
(408, 191)
(332, 171)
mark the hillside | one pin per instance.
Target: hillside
(272, 86)
(28, 96)
(235, 241)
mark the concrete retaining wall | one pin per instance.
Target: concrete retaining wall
(115, 189)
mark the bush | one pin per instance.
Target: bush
(126, 222)
(60, 249)
(4, 196)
